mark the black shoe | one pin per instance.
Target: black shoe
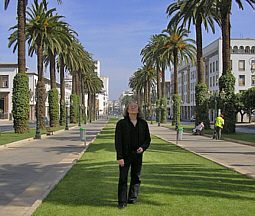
(133, 201)
(121, 205)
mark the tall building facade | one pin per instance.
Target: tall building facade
(243, 68)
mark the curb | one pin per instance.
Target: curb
(219, 163)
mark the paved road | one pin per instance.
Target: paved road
(28, 171)
(9, 127)
(233, 155)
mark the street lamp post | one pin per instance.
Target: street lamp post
(37, 130)
(67, 127)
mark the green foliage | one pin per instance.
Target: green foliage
(227, 83)
(53, 107)
(202, 108)
(163, 103)
(20, 101)
(176, 109)
(40, 104)
(74, 108)
(249, 100)
(227, 102)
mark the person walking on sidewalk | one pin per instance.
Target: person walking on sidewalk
(219, 123)
(132, 138)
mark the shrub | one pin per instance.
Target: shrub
(20, 101)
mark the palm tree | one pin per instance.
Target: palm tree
(144, 78)
(153, 54)
(20, 86)
(182, 49)
(227, 80)
(41, 28)
(198, 13)
(93, 85)
(224, 8)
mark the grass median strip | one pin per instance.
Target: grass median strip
(174, 182)
(9, 137)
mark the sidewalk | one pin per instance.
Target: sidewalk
(238, 157)
(29, 171)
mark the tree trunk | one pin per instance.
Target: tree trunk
(158, 82)
(225, 19)
(89, 107)
(74, 83)
(21, 11)
(52, 71)
(63, 113)
(163, 83)
(200, 63)
(41, 93)
(175, 71)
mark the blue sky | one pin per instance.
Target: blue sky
(115, 31)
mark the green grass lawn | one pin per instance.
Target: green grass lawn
(174, 182)
(8, 137)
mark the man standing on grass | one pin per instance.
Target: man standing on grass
(132, 138)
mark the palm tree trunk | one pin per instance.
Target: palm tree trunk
(41, 92)
(62, 92)
(225, 20)
(158, 82)
(89, 106)
(74, 83)
(200, 64)
(21, 10)
(175, 72)
(52, 71)
(163, 83)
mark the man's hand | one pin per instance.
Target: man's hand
(139, 150)
(121, 162)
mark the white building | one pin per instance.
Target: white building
(7, 74)
(243, 68)
(103, 97)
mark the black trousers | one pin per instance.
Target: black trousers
(218, 132)
(135, 162)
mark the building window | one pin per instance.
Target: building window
(253, 50)
(210, 67)
(235, 49)
(217, 79)
(213, 80)
(4, 81)
(241, 49)
(217, 66)
(210, 81)
(253, 80)
(241, 65)
(213, 66)
(247, 49)
(241, 80)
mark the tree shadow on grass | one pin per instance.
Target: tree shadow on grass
(95, 183)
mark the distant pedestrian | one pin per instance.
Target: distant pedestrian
(219, 124)
(132, 138)
(198, 129)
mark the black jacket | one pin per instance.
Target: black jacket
(123, 140)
